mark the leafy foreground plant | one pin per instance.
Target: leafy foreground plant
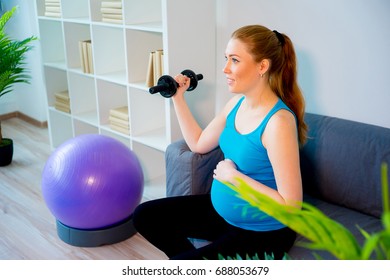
(12, 58)
(255, 257)
(323, 232)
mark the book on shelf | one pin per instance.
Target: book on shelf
(86, 58)
(120, 113)
(52, 8)
(62, 101)
(120, 129)
(112, 20)
(119, 119)
(62, 108)
(112, 4)
(150, 72)
(114, 16)
(112, 12)
(119, 122)
(155, 67)
(62, 95)
(118, 125)
(89, 54)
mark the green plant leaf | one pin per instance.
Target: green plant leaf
(12, 55)
(323, 232)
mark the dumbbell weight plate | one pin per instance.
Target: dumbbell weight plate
(193, 79)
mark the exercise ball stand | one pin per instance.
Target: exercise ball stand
(96, 237)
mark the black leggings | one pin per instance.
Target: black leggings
(167, 223)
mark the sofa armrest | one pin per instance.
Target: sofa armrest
(189, 173)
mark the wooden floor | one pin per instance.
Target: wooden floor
(27, 228)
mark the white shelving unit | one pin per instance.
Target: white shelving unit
(184, 29)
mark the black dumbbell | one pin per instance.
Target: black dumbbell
(167, 86)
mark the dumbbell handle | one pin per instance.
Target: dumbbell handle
(165, 86)
(158, 88)
(199, 77)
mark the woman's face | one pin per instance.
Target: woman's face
(241, 70)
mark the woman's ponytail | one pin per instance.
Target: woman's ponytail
(284, 82)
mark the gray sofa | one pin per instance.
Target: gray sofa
(340, 165)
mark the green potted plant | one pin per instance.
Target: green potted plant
(322, 232)
(12, 70)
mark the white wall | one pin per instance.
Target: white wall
(26, 98)
(343, 49)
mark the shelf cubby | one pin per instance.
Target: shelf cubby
(76, 10)
(74, 33)
(110, 96)
(147, 117)
(153, 166)
(60, 127)
(81, 127)
(109, 53)
(138, 53)
(142, 13)
(120, 137)
(52, 42)
(40, 8)
(95, 6)
(96, 14)
(83, 98)
(56, 81)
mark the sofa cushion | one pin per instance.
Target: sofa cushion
(348, 218)
(189, 173)
(341, 162)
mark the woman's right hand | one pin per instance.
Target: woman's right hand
(184, 84)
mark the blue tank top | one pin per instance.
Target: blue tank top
(251, 158)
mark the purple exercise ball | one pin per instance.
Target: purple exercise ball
(92, 181)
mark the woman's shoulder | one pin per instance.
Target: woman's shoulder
(282, 118)
(232, 103)
(282, 125)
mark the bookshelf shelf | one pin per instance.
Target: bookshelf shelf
(81, 127)
(155, 139)
(149, 26)
(81, 20)
(87, 117)
(118, 57)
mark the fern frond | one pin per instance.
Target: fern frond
(12, 57)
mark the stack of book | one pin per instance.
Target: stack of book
(85, 48)
(112, 11)
(155, 67)
(62, 101)
(119, 120)
(52, 8)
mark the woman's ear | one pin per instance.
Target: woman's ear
(264, 66)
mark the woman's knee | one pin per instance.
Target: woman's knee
(143, 214)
